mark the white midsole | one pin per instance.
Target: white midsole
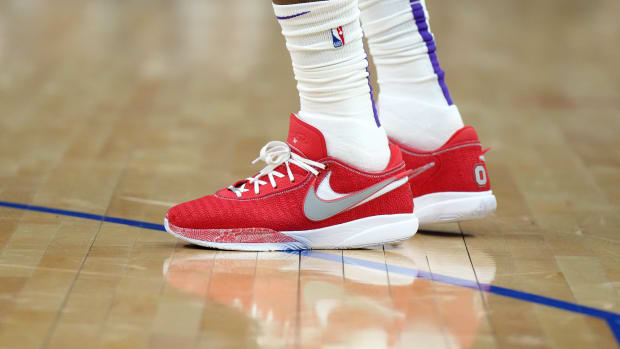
(454, 206)
(361, 232)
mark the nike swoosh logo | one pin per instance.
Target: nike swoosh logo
(418, 171)
(316, 209)
(292, 16)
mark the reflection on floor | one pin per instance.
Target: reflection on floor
(291, 296)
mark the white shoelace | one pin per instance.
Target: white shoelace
(274, 154)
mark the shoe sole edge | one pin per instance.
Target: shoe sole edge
(363, 232)
(447, 207)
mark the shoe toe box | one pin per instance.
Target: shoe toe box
(197, 214)
(213, 212)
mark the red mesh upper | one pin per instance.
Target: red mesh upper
(281, 208)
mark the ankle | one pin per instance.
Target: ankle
(355, 140)
(417, 123)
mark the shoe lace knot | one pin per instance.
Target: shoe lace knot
(274, 154)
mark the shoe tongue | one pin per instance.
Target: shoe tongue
(306, 140)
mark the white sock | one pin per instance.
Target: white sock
(324, 39)
(414, 102)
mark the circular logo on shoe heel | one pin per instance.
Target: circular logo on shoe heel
(481, 175)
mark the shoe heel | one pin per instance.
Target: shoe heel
(454, 206)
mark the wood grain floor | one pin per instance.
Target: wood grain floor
(123, 108)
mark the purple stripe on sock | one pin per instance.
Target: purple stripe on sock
(292, 16)
(372, 96)
(420, 21)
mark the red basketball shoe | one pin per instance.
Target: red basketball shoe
(451, 183)
(302, 199)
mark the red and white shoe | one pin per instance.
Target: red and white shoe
(451, 183)
(302, 199)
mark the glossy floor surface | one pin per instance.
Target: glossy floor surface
(123, 108)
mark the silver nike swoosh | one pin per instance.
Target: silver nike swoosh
(418, 171)
(316, 209)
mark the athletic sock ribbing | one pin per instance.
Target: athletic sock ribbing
(324, 39)
(414, 103)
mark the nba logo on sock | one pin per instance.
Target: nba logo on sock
(338, 37)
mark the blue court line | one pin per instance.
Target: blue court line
(94, 217)
(612, 319)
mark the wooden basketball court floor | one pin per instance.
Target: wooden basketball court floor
(111, 111)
